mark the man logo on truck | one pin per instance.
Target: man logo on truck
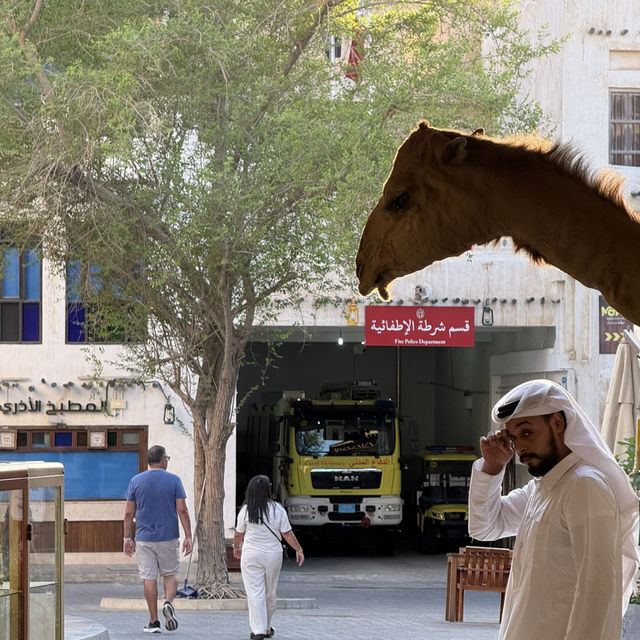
(346, 478)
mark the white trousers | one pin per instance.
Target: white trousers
(260, 573)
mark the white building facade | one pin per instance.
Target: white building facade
(65, 399)
(530, 321)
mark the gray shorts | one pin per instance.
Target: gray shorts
(157, 557)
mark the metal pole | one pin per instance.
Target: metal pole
(398, 363)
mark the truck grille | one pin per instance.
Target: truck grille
(346, 478)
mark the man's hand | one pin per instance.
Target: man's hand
(129, 547)
(187, 546)
(496, 450)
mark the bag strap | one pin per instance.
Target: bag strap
(279, 539)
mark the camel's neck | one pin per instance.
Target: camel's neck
(567, 222)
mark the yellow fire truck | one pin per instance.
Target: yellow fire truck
(336, 461)
(443, 494)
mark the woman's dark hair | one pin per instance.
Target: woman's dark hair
(257, 498)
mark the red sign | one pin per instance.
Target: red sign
(418, 326)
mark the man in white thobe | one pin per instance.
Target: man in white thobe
(575, 558)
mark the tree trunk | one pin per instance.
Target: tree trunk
(212, 576)
(211, 433)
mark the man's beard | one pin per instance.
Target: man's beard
(539, 465)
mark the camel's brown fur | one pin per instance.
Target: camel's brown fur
(448, 191)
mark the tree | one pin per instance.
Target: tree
(212, 162)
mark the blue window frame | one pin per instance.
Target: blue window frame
(89, 474)
(76, 311)
(85, 321)
(20, 295)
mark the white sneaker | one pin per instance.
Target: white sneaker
(169, 613)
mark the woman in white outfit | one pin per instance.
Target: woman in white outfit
(262, 523)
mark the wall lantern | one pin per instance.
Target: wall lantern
(169, 413)
(487, 315)
(353, 315)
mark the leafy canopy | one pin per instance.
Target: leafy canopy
(216, 144)
(206, 163)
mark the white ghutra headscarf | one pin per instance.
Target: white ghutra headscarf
(541, 397)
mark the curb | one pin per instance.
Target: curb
(193, 604)
(107, 574)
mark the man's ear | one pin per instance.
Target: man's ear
(557, 422)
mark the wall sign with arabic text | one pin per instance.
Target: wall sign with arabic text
(63, 407)
(395, 326)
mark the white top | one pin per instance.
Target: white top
(256, 536)
(566, 574)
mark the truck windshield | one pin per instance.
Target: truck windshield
(347, 430)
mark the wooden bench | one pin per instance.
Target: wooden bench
(475, 569)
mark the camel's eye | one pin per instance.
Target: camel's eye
(399, 202)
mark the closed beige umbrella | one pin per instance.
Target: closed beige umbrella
(620, 414)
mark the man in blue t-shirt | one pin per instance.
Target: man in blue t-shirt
(156, 498)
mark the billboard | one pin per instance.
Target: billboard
(612, 327)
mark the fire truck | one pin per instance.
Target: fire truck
(443, 494)
(335, 460)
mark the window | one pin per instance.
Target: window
(90, 474)
(333, 48)
(20, 295)
(108, 319)
(624, 128)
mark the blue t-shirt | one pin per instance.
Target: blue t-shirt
(155, 492)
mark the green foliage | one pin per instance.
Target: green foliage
(217, 166)
(224, 129)
(627, 461)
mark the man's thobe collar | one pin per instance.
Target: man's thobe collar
(551, 478)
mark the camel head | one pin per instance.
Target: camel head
(420, 217)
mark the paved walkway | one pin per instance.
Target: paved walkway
(76, 628)
(357, 598)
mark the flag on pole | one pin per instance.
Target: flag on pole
(356, 53)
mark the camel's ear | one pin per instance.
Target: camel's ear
(455, 151)
(478, 132)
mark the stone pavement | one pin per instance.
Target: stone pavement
(357, 598)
